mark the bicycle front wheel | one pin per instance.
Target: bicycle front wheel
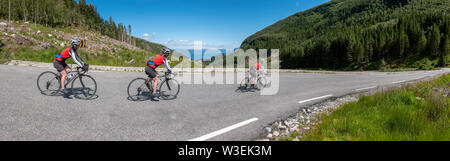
(262, 82)
(169, 89)
(139, 89)
(49, 83)
(84, 87)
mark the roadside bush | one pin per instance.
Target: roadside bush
(1, 46)
(383, 66)
(425, 64)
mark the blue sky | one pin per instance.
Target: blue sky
(217, 23)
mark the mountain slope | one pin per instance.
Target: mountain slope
(360, 34)
(24, 41)
(38, 29)
(70, 13)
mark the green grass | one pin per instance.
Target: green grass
(119, 58)
(394, 115)
(108, 59)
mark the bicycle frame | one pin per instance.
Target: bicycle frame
(78, 74)
(165, 78)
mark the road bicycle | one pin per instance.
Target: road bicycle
(141, 89)
(262, 82)
(83, 86)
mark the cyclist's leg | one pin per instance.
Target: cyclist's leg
(153, 75)
(155, 83)
(68, 69)
(62, 69)
(64, 74)
(63, 79)
(253, 77)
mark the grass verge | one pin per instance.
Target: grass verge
(416, 112)
(120, 58)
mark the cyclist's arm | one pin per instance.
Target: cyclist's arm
(166, 64)
(262, 69)
(76, 58)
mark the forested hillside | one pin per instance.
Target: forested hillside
(69, 13)
(361, 34)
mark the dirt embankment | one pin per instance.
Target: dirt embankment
(24, 34)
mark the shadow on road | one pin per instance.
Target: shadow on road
(246, 90)
(69, 93)
(142, 97)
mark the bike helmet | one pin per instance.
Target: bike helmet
(75, 42)
(261, 60)
(165, 51)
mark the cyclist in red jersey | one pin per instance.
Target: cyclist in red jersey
(150, 69)
(254, 71)
(60, 61)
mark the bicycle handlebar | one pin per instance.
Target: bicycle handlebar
(82, 70)
(168, 74)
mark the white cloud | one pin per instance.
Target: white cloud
(147, 36)
(188, 44)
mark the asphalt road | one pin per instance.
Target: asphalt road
(201, 112)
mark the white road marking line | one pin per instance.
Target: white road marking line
(315, 98)
(366, 88)
(399, 82)
(224, 130)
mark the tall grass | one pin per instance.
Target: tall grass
(415, 112)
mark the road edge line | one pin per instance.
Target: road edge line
(224, 130)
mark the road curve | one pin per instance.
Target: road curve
(201, 112)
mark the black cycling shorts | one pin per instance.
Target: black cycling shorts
(150, 72)
(60, 66)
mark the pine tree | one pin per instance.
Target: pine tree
(421, 43)
(434, 41)
(443, 59)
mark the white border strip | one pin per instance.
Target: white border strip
(399, 82)
(315, 98)
(360, 89)
(224, 130)
(97, 71)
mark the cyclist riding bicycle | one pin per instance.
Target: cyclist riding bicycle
(150, 69)
(60, 61)
(254, 72)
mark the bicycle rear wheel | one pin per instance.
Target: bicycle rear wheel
(84, 87)
(139, 90)
(49, 83)
(169, 89)
(245, 84)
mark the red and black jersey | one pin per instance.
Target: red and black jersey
(157, 61)
(64, 55)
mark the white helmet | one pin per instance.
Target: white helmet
(165, 51)
(261, 60)
(75, 42)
